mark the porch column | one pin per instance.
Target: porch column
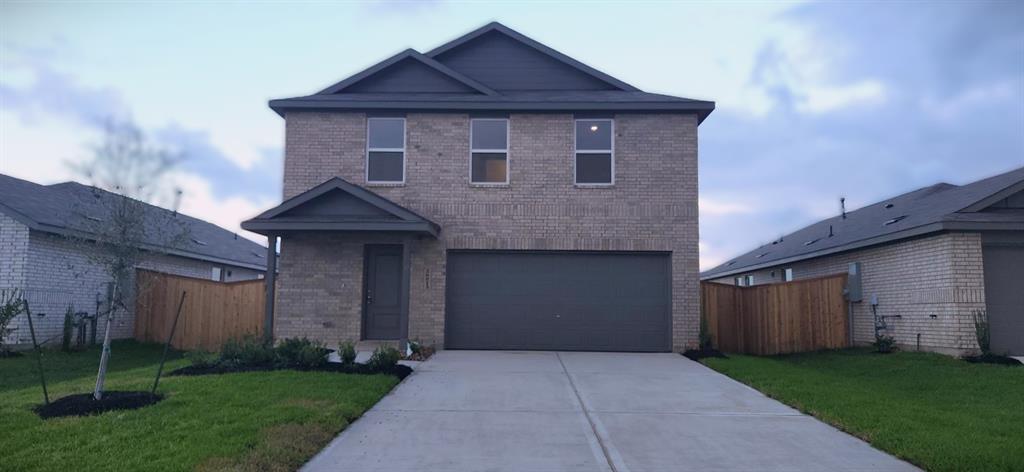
(271, 288)
(403, 306)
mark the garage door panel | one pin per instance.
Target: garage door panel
(558, 301)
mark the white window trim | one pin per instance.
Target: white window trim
(787, 274)
(749, 280)
(369, 150)
(577, 152)
(508, 155)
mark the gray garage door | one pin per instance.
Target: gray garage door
(1004, 296)
(558, 301)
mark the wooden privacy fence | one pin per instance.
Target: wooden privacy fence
(805, 315)
(213, 312)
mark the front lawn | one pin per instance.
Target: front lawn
(938, 412)
(272, 420)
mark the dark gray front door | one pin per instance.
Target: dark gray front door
(584, 301)
(381, 292)
(1004, 297)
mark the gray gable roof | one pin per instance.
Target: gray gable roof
(939, 207)
(493, 68)
(71, 208)
(338, 205)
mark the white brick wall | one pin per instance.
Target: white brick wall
(933, 283)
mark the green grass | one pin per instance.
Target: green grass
(938, 412)
(249, 421)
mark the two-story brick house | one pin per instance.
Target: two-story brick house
(489, 194)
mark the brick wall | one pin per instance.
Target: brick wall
(58, 272)
(933, 283)
(653, 206)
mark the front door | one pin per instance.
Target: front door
(382, 291)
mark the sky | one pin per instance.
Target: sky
(815, 101)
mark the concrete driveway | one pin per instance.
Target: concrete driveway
(576, 411)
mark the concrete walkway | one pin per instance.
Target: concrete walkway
(570, 411)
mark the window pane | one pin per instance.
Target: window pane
(594, 135)
(593, 168)
(385, 166)
(490, 134)
(386, 133)
(489, 167)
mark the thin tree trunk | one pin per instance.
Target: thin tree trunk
(101, 376)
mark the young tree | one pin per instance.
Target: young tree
(126, 171)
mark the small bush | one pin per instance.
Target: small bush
(884, 344)
(704, 335)
(69, 329)
(301, 353)
(11, 305)
(248, 351)
(202, 359)
(982, 331)
(384, 358)
(347, 352)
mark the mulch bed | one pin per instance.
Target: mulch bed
(992, 359)
(5, 354)
(698, 354)
(400, 371)
(83, 404)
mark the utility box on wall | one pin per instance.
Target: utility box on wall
(854, 288)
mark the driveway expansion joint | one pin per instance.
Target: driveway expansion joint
(605, 449)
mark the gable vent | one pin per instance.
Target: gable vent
(894, 220)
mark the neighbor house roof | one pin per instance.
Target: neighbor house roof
(73, 209)
(492, 68)
(337, 205)
(936, 208)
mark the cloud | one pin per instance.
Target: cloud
(199, 199)
(31, 87)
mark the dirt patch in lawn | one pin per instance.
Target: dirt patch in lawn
(992, 359)
(84, 404)
(400, 371)
(698, 354)
(280, 448)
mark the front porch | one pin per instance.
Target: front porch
(347, 261)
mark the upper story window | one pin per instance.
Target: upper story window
(385, 150)
(595, 158)
(488, 150)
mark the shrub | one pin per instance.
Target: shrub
(69, 329)
(384, 358)
(11, 305)
(884, 344)
(248, 351)
(202, 358)
(704, 335)
(347, 352)
(301, 353)
(982, 331)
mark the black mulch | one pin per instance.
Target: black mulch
(698, 354)
(400, 371)
(83, 404)
(4, 354)
(992, 359)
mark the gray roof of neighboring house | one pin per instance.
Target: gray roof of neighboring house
(939, 207)
(492, 68)
(67, 209)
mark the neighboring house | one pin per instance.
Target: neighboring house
(489, 194)
(45, 251)
(933, 257)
